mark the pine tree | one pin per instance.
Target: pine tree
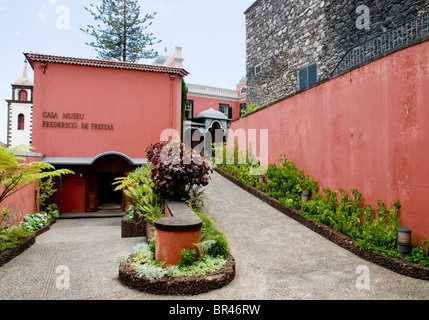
(122, 35)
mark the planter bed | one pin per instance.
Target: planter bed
(191, 285)
(131, 229)
(399, 266)
(8, 254)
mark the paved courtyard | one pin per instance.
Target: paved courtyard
(276, 258)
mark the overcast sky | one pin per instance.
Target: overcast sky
(212, 34)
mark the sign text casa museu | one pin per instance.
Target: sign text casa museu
(70, 122)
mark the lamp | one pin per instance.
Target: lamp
(261, 179)
(305, 196)
(404, 241)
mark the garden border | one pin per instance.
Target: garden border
(191, 285)
(8, 254)
(399, 266)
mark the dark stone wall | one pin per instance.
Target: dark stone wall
(287, 35)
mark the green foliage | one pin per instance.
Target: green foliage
(4, 218)
(209, 231)
(10, 237)
(121, 35)
(420, 254)
(245, 167)
(286, 183)
(371, 229)
(188, 257)
(139, 186)
(144, 263)
(16, 174)
(46, 190)
(251, 107)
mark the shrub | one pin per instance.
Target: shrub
(10, 237)
(177, 169)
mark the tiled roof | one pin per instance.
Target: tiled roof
(103, 63)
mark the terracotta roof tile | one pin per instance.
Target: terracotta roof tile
(103, 63)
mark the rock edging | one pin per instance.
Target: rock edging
(191, 285)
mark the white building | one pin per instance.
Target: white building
(20, 111)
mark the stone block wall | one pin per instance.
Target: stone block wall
(284, 36)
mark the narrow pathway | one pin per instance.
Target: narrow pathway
(278, 258)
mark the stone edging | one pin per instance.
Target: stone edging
(191, 285)
(399, 266)
(8, 254)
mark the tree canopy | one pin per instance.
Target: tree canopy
(121, 34)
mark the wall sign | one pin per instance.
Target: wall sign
(69, 121)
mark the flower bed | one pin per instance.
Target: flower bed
(30, 228)
(188, 285)
(397, 265)
(202, 262)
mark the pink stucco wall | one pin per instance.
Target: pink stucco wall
(367, 129)
(124, 110)
(23, 202)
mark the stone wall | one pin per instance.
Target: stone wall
(287, 35)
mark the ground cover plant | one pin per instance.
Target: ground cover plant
(374, 229)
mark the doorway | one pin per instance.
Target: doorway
(108, 198)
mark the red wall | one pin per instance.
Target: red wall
(367, 129)
(23, 202)
(139, 105)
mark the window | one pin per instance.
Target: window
(21, 121)
(189, 110)
(258, 69)
(243, 108)
(243, 90)
(226, 110)
(307, 76)
(22, 95)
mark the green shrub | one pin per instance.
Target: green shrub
(10, 237)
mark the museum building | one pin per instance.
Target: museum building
(95, 117)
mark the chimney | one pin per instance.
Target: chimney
(178, 60)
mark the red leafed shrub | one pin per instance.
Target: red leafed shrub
(177, 169)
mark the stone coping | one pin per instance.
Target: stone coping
(182, 218)
(397, 265)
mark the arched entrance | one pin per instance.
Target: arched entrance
(100, 191)
(90, 189)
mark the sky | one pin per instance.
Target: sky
(211, 33)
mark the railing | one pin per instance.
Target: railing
(412, 30)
